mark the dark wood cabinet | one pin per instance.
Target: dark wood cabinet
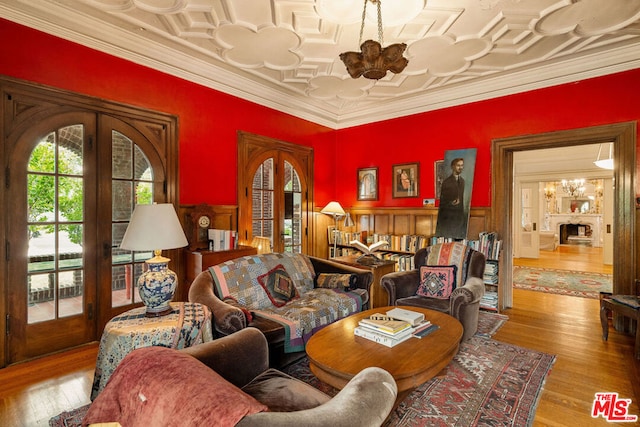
(378, 295)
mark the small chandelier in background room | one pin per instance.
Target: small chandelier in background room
(574, 188)
(374, 61)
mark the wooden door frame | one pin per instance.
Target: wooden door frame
(36, 101)
(252, 146)
(623, 136)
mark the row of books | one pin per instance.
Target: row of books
(487, 243)
(344, 237)
(222, 240)
(402, 243)
(404, 262)
(390, 329)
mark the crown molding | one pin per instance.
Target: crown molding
(107, 38)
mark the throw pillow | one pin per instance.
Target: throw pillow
(334, 281)
(437, 281)
(155, 386)
(278, 286)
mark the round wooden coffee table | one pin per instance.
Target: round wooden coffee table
(336, 355)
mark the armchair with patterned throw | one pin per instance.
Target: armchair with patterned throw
(447, 278)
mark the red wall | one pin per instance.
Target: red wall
(425, 137)
(209, 120)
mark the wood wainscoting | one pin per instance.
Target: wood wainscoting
(397, 221)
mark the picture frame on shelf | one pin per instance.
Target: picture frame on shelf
(406, 180)
(439, 174)
(368, 183)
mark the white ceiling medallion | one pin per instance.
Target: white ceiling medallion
(350, 11)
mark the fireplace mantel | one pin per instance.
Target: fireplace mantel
(553, 222)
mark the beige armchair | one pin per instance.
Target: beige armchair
(464, 301)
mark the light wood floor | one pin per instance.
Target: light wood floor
(569, 257)
(569, 327)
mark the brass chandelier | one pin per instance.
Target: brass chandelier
(374, 61)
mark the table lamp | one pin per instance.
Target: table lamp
(262, 244)
(155, 227)
(334, 209)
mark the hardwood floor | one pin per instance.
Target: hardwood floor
(569, 327)
(569, 257)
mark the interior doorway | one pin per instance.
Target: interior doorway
(567, 224)
(623, 137)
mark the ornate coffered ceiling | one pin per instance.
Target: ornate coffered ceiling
(284, 53)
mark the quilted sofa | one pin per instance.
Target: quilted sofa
(228, 382)
(247, 292)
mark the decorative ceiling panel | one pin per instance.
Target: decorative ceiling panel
(284, 53)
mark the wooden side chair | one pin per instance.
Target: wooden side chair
(625, 305)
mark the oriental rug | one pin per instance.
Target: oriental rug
(564, 282)
(488, 383)
(480, 360)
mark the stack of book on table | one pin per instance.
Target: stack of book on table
(394, 327)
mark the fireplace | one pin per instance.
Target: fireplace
(576, 234)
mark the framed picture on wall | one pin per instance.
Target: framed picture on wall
(406, 179)
(438, 176)
(368, 184)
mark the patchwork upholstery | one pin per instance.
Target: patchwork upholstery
(239, 278)
(333, 281)
(455, 253)
(278, 286)
(258, 283)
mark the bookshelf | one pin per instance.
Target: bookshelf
(489, 244)
(400, 249)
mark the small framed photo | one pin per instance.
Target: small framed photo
(406, 179)
(438, 176)
(368, 184)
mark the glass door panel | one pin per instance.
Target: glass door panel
(293, 210)
(55, 203)
(262, 223)
(132, 183)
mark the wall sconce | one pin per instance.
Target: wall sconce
(549, 193)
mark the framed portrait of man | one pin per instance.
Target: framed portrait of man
(406, 180)
(455, 194)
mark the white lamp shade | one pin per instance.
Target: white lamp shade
(262, 244)
(333, 208)
(154, 227)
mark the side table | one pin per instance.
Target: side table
(187, 325)
(626, 305)
(378, 295)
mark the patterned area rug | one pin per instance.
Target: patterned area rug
(564, 282)
(488, 383)
(488, 324)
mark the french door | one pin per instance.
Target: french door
(73, 179)
(274, 196)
